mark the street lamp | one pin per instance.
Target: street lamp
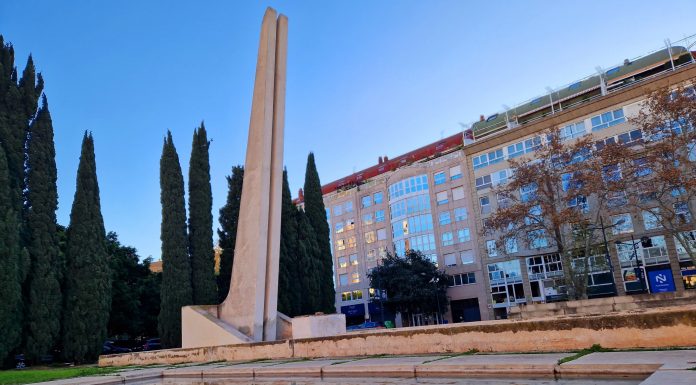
(434, 281)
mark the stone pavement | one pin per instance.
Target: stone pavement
(645, 367)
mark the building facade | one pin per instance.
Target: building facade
(435, 200)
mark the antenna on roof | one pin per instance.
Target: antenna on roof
(669, 51)
(507, 117)
(550, 91)
(602, 81)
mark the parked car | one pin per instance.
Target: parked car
(110, 347)
(152, 344)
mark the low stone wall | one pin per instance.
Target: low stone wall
(603, 305)
(653, 328)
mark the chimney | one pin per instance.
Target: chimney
(300, 195)
(482, 118)
(386, 159)
(379, 161)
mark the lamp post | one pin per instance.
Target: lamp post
(434, 281)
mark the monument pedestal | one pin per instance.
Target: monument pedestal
(201, 327)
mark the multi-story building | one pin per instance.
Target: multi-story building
(435, 199)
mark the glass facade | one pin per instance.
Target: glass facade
(411, 216)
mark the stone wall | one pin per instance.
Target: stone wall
(603, 305)
(652, 328)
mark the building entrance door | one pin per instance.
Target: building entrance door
(465, 310)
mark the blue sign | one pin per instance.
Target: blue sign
(661, 281)
(353, 310)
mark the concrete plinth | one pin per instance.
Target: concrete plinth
(318, 326)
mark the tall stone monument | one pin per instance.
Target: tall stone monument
(249, 313)
(250, 305)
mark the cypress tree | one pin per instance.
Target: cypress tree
(10, 288)
(307, 263)
(176, 266)
(227, 233)
(88, 275)
(316, 215)
(289, 291)
(43, 291)
(201, 222)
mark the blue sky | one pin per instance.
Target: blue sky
(365, 78)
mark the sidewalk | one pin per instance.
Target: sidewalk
(655, 367)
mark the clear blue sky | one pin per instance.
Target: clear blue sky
(365, 78)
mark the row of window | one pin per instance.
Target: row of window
(462, 279)
(443, 196)
(463, 235)
(346, 207)
(570, 131)
(466, 258)
(460, 214)
(369, 200)
(407, 186)
(455, 173)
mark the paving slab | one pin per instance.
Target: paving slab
(238, 369)
(305, 368)
(504, 365)
(378, 367)
(629, 363)
(671, 377)
(92, 380)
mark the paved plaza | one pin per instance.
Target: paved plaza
(672, 367)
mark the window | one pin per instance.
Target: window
(440, 178)
(689, 238)
(371, 255)
(491, 248)
(342, 262)
(524, 147)
(503, 201)
(611, 173)
(537, 239)
(346, 296)
(463, 235)
(462, 279)
(651, 219)
(378, 197)
(484, 160)
(339, 227)
(341, 244)
(483, 182)
(621, 224)
(607, 119)
(343, 279)
(450, 260)
(367, 219)
(528, 192)
(572, 131)
(355, 277)
(500, 177)
(379, 216)
(348, 207)
(338, 210)
(485, 205)
(467, 257)
(366, 201)
(642, 167)
(631, 137)
(442, 198)
(681, 209)
(511, 245)
(351, 242)
(381, 234)
(350, 224)
(445, 218)
(460, 214)
(455, 172)
(357, 294)
(354, 260)
(447, 239)
(457, 193)
(407, 186)
(370, 237)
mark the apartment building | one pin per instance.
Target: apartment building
(601, 106)
(424, 205)
(435, 199)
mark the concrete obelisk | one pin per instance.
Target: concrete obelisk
(251, 304)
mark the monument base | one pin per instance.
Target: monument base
(201, 327)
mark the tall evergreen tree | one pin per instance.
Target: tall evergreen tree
(176, 266)
(10, 287)
(289, 291)
(201, 222)
(316, 214)
(43, 292)
(310, 267)
(88, 275)
(227, 233)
